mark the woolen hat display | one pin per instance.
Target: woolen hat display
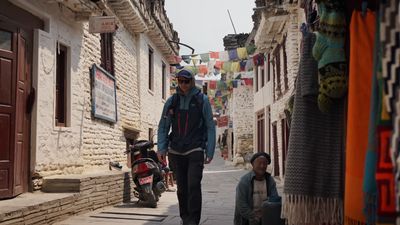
(185, 73)
(260, 154)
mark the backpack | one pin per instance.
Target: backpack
(199, 97)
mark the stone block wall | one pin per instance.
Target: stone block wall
(94, 192)
(151, 101)
(243, 119)
(104, 141)
(88, 143)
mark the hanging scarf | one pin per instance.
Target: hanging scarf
(390, 35)
(313, 189)
(362, 31)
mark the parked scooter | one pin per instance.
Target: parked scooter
(146, 172)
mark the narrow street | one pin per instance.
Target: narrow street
(219, 183)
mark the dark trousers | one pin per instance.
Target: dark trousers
(189, 172)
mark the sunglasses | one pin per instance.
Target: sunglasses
(183, 81)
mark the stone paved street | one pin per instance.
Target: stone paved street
(219, 183)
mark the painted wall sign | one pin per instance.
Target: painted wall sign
(104, 100)
(102, 24)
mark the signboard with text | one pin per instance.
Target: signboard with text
(104, 100)
(102, 24)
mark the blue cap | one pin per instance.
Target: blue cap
(185, 73)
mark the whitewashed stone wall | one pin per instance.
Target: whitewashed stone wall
(151, 102)
(292, 51)
(86, 143)
(242, 117)
(102, 141)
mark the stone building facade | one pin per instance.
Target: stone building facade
(239, 110)
(242, 117)
(277, 37)
(62, 44)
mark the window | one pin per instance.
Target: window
(61, 87)
(278, 71)
(261, 132)
(285, 72)
(151, 66)
(268, 68)
(276, 156)
(273, 80)
(256, 76)
(107, 57)
(150, 133)
(164, 80)
(268, 135)
(285, 142)
(262, 76)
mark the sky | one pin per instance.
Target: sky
(202, 24)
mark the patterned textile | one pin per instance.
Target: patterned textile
(390, 40)
(360, 76)
(313, 190)
(329, 51)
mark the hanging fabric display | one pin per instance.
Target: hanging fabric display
(205, 57)
(227, 67)
(218, 64)
(249, 65)
(235, 83)
(329, 51)
(258, 59)
(315, 152)
(224, 56)
(233, 55)
(242, 53)
(203, 69)
(243, 65)
(212, 84)
(235, 67)
(362, 31)
(186, 58)
(389, 37)
(248, 81)
(214, 55)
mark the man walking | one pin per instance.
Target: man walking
(190, 144)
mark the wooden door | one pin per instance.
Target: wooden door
(15, 87)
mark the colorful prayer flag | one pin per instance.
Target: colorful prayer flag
(205, 57)
(214, 55)
(224, 56)
(212, 84)
(233, 54)
(242, 53)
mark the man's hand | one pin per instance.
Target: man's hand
(161, 156)
(207, 160)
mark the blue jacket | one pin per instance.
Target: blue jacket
(165, 123)
(244, 197)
